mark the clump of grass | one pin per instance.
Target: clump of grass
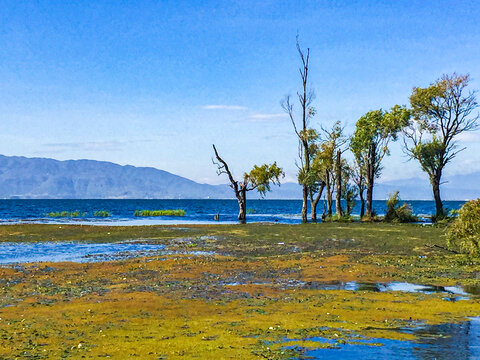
(173, 212)
(101, 213)
(65, 214)
(398, 213)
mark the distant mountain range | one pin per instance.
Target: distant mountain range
(40, 178)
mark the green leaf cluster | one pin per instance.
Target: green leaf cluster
(465, 229)
(263, 176)
(430, 155)
(373, 132)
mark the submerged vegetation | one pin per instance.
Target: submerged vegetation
(175, 212)
(101, 213)
(65, 214)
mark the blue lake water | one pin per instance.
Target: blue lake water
(197, 211)
(460, 341)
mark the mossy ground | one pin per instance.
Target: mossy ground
(239, 303)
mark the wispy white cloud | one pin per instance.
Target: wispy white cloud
(224, 107)
(266, 117)
(114, 145)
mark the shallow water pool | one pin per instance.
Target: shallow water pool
(11, 253)
(457, 341)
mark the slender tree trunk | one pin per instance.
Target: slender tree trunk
(362, 201)
(304, 205)
(242, 205)
(338, 181)
(329, 195)
(435, 180)
(370, 179)
(313, 207)
(368, 211)
(306, 190)
(314, 202)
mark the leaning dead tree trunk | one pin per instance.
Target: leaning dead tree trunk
(239, 188)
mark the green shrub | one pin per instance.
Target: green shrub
(465, 229)
(398, 213)
(65, 214)
(176, 212)
(101, 213)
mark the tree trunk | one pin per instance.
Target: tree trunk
(242, 206)
(440, 212)
(329, 195)
(362, 201)
(304, 205)
(314, 202)
(370, 179)
(338, 181)
(368, 212)
(313, 207)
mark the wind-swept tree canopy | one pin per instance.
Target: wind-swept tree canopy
(369, 143)
(440, 113)
(260, 178)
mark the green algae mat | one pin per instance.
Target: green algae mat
(233, 291)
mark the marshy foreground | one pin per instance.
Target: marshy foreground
(242, 291)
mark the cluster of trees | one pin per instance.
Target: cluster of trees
(429, 127)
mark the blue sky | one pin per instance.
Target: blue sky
(155, 83)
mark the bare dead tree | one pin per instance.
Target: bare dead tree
(259, 178)
(305, 98)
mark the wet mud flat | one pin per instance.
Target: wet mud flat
(243, 292)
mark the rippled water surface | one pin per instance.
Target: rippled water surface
(197, 211)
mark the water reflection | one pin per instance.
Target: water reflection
(460, 291)
(442, 342)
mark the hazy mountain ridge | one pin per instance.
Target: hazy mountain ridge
(30, 178)
(22, 177)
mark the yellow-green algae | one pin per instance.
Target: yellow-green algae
(239, 304)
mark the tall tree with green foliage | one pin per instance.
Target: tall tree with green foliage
(324, 165)
(303, 132)
(440, 113)
(260, 178)
(373, 133)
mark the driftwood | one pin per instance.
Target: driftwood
(435, 246)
